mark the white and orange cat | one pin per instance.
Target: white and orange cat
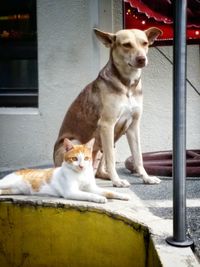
(73, 180)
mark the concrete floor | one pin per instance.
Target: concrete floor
(158, 199)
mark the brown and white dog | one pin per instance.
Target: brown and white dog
(111, 105)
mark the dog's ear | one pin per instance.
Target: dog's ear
(152, 34)
(106, 38)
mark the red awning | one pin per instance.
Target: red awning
(161, 10)
(142, 14)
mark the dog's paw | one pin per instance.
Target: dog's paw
(151, 180)
(121, 183)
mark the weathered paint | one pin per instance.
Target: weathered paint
(152, 260)
(51, 237)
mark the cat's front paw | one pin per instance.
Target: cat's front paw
(100, 199)
(124, 197)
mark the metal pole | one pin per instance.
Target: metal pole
(179, 127)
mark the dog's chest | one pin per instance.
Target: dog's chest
(130, 110)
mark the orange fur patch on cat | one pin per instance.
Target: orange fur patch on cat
(36, 177)
(109, 194)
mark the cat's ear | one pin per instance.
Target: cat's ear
(67, 144)
(90, 144)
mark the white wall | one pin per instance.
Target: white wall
(67, 60)
(70, 57)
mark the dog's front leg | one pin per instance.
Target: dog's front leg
(107, 139)
(133, 136)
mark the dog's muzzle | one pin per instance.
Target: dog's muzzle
(140, 62)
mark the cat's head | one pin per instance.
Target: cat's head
(78, 157)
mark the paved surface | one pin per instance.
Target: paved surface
(151, 205)
(158, 199)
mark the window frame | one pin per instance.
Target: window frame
(21, 50)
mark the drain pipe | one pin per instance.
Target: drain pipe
(179, 127)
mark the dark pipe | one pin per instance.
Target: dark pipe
(179, 127)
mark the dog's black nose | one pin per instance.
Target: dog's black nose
(140, 60)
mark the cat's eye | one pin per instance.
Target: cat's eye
(127, 45)
(74, 158)
(86, 158)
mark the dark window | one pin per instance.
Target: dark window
(18, 54)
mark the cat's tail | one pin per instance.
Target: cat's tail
(10, 184)
(7, 181)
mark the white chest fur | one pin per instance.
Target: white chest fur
(130, 110)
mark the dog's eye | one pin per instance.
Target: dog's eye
(145, 43)
(127, 45)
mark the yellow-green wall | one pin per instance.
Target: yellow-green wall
(36, 236)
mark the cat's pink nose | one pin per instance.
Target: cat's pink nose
(80, 167)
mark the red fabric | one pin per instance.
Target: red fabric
(151, 10)
(142, 14)
(161, 10)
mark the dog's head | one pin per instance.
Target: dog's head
(129, 47)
